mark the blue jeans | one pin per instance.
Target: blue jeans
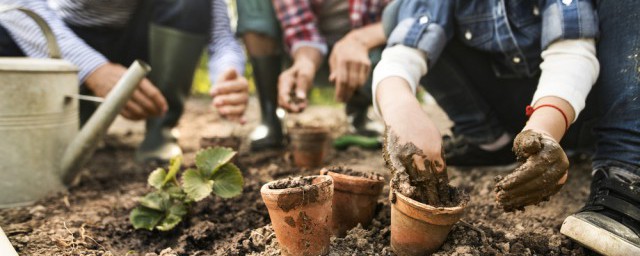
(618, 89)
(483, 105)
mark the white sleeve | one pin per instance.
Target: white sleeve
(400, 61)
(224, 50)
(569, 70)
(28, 36)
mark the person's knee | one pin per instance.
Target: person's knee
(257, 20)
(193, 16)
(8, 46)
(259, 45)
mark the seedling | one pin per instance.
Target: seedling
(167, 205)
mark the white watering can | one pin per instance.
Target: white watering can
(41, 147)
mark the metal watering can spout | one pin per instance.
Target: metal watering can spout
(82, 146)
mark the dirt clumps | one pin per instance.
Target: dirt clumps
(414, 175)
(292, 182)
(356, 173)
(540, 176)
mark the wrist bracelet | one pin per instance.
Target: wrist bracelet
(529, 111)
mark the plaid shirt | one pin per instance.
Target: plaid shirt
(298, 20)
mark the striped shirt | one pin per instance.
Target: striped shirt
(224, 50)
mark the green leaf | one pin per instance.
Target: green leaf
(174, 167)
(211, 159)
(156, 178)
(142, 217)
(155, 200)
(228, 181)
(196, 185)
(175, 192)
(169, 223)
(175, 214)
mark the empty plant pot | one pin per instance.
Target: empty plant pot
(420, 229)
(355, 196)
(232, 142)
(300, 212)
(309, 145)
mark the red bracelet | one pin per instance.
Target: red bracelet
(529, 111)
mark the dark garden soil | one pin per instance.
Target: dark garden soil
(92, 217)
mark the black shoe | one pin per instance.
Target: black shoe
(458, 151)
(610, 221)
(360, 123)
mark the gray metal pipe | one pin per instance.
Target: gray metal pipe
(83, 145)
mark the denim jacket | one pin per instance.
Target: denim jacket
(513, 32)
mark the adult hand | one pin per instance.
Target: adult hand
(146, 101)
(350, 66)
(293, 85)
(231, 95)
(542, 174)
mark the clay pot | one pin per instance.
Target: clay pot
(354, 201)
(232, 142)
(309, 145)
(420, 229)
(300, 215)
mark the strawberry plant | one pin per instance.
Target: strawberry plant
(166, 206)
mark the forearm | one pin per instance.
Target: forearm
(408, 64)
(394, 94)
(308, 56)
(569, 70)
(550, 120)
(371, 36)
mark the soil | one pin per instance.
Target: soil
(292, 182)
(92, 217)
(356, 173)
(414, 175)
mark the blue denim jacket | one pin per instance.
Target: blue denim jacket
(513, 32)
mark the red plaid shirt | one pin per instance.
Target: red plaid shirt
(298, 19)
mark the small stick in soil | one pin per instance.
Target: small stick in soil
(483, 236)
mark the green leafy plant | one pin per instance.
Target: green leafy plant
(167, 205)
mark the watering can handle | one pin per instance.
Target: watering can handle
(52, 44)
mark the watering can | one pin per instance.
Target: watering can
(41, 146)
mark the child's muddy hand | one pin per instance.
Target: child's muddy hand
(542, 174)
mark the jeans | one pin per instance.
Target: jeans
(483, 106)
(618, 89)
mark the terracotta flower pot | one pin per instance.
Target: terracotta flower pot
(354, 199)
(232, 142)
(420, 229)
(300, 213)
(309, 145)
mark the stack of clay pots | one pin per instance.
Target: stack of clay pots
(306, 211)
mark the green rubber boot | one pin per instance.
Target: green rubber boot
(268, 135)
(174, 56)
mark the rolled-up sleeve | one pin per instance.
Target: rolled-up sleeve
(224, 50)
(568, 19)
(299, 25)
(423, 24)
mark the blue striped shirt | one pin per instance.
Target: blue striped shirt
(224, 50)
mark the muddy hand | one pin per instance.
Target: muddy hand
(541, 175)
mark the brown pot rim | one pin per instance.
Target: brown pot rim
(428, 213)
(354, 184)
(273, 194)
